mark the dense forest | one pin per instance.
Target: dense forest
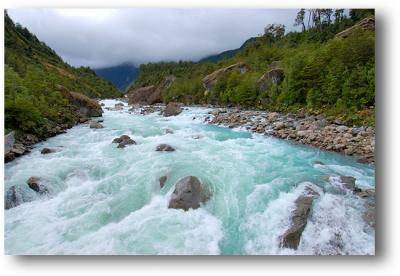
(323, 73)
(34, 79)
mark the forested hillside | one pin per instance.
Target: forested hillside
(35, 78)
(316, 70)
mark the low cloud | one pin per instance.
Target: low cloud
(107, 37)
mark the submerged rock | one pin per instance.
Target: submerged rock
(164, 147)
(35, 183)
(162, 180)
(95, 125)
(188, 193)
(172, 109)
(291, 238)
(47, 151)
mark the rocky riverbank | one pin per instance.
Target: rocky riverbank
(18, 143)
(312, 130)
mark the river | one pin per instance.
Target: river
(105, 200)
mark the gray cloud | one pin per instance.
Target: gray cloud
(100, 38)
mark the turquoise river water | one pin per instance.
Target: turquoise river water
(105, 200)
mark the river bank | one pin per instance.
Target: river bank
(316, 131)
(312, 130)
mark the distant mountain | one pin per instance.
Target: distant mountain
(121, 75)
(226, 54)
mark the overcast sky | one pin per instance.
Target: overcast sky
(105, 37)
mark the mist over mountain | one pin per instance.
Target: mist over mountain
(121, 75)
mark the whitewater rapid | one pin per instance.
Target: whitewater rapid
(105, 200)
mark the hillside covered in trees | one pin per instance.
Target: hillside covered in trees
(317, 70)
(36, 79)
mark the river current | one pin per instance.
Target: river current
(106, 200)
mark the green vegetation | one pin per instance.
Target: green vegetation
(34, 74)
(322, 73)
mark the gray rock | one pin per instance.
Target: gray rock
(95, 125)
(291, 238)
(124, 143)
(342, 128)
(279, 125)
(164, 147)
(172, 109)
(9, 141)
(348, 182)
(321, 123)
(121, 138)
(18, 149)
(13, 197)
(47, 151)
(35, 183)
(189, 193)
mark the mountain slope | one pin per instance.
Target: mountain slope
(226, 54)
(37, 82)
(121, 76)
(311, 71)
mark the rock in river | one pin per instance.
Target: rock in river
(347, 182)
(123, 141)
(47, 151)
(164, 147)
(35, 183)
(95, 125)
(162, 180)
(13, 197)
(188, 193)
(172, 109)
(303, 203)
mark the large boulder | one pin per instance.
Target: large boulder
(303, 204)
(271, 77)
(189, 193)
(210, 80)
(145, 95)
(365, 24)
(85, 106)
(9, 141)
(36, 184)
(172, 109)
